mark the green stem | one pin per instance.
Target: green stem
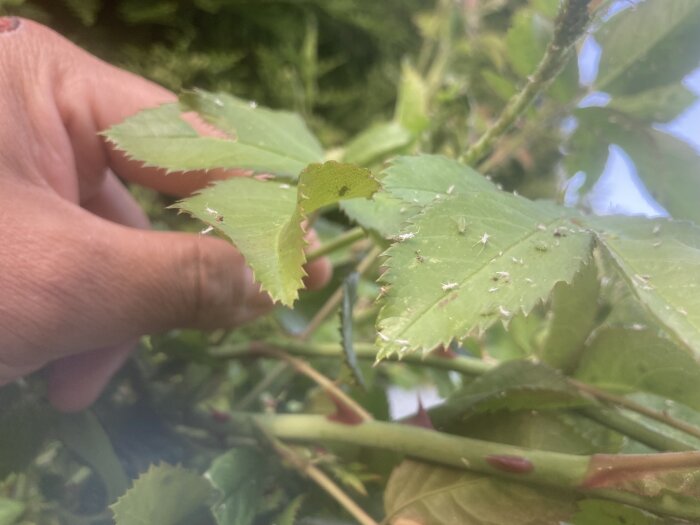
(609, 417)
(570, 25)
(592, 475)
(616, 420)
(338, 243)
(366, 351)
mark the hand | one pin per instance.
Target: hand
(81, 278)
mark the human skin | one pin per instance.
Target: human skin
(81, 276)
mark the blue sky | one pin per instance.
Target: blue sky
(619, 189)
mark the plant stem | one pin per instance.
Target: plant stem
(334, 300)
(267, 381)
(304, 368)
(610, 418)
(636, 407)
(319, 477)
(366, 351)
(593, 475)
(338, 243)
(570, 25)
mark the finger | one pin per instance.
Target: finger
(75, 382)
(318, 272)
(78, 94)
(114, 203)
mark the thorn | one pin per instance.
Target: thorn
(421, 418)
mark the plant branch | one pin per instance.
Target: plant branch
(571, 23)
(306, 468)
(334, 300)
(594, 475)
(611, 418)
(304, 368)
(636, 407)
(341, 241)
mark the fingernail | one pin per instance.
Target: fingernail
(8, 24)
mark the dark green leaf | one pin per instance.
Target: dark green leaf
(628, 360)
(10, 511)
(346, 308)
(376, 143)
(659, 104)
(601, 512)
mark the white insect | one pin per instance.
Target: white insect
(503, 276)
(450, 189)
(494, 289)
(405, 236)
(517, 261)
(656, 229)
(484, 240)
(211, 211)
(206, 230)
(446, 287)
(504, 311)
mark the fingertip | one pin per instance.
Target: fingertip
(75, 382)
(319, 272)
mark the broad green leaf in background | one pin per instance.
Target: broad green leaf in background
(628, 360)
(515, 385)
(86, 10)
(586, 150)
(650, 44)
(240, 477)
(384, 213)
(660, 261)
(412, 101)
(10, 511)
(165, 495)
(571, 319)
(675, 410)
(24, 423)
(83, 434)
(289, 515)
(472, 258)
(377, 142)
(258, 139)
(554, 430)
(263, 219)
(659, 104)
(601, 512)
(425, 494)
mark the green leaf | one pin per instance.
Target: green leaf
(484, 256)
(424, 494)
(660, 261)
(289, 515)
(515, 385)
(346, 307)
(263, 219)
(654, 43)
(412, 101)
(384, 213)
(554, 430)
(276, 133)
(673, 409)
(257, 217)
(165, 495)
(260, 139)
(240, 476)
(571, 320)
(601, 512)
(325, 184)
(10, 511)
(24, 425)
(660, 104)
(86, 10)
(623, 361)
(587, 151)
(376, 143)
(83, 435)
